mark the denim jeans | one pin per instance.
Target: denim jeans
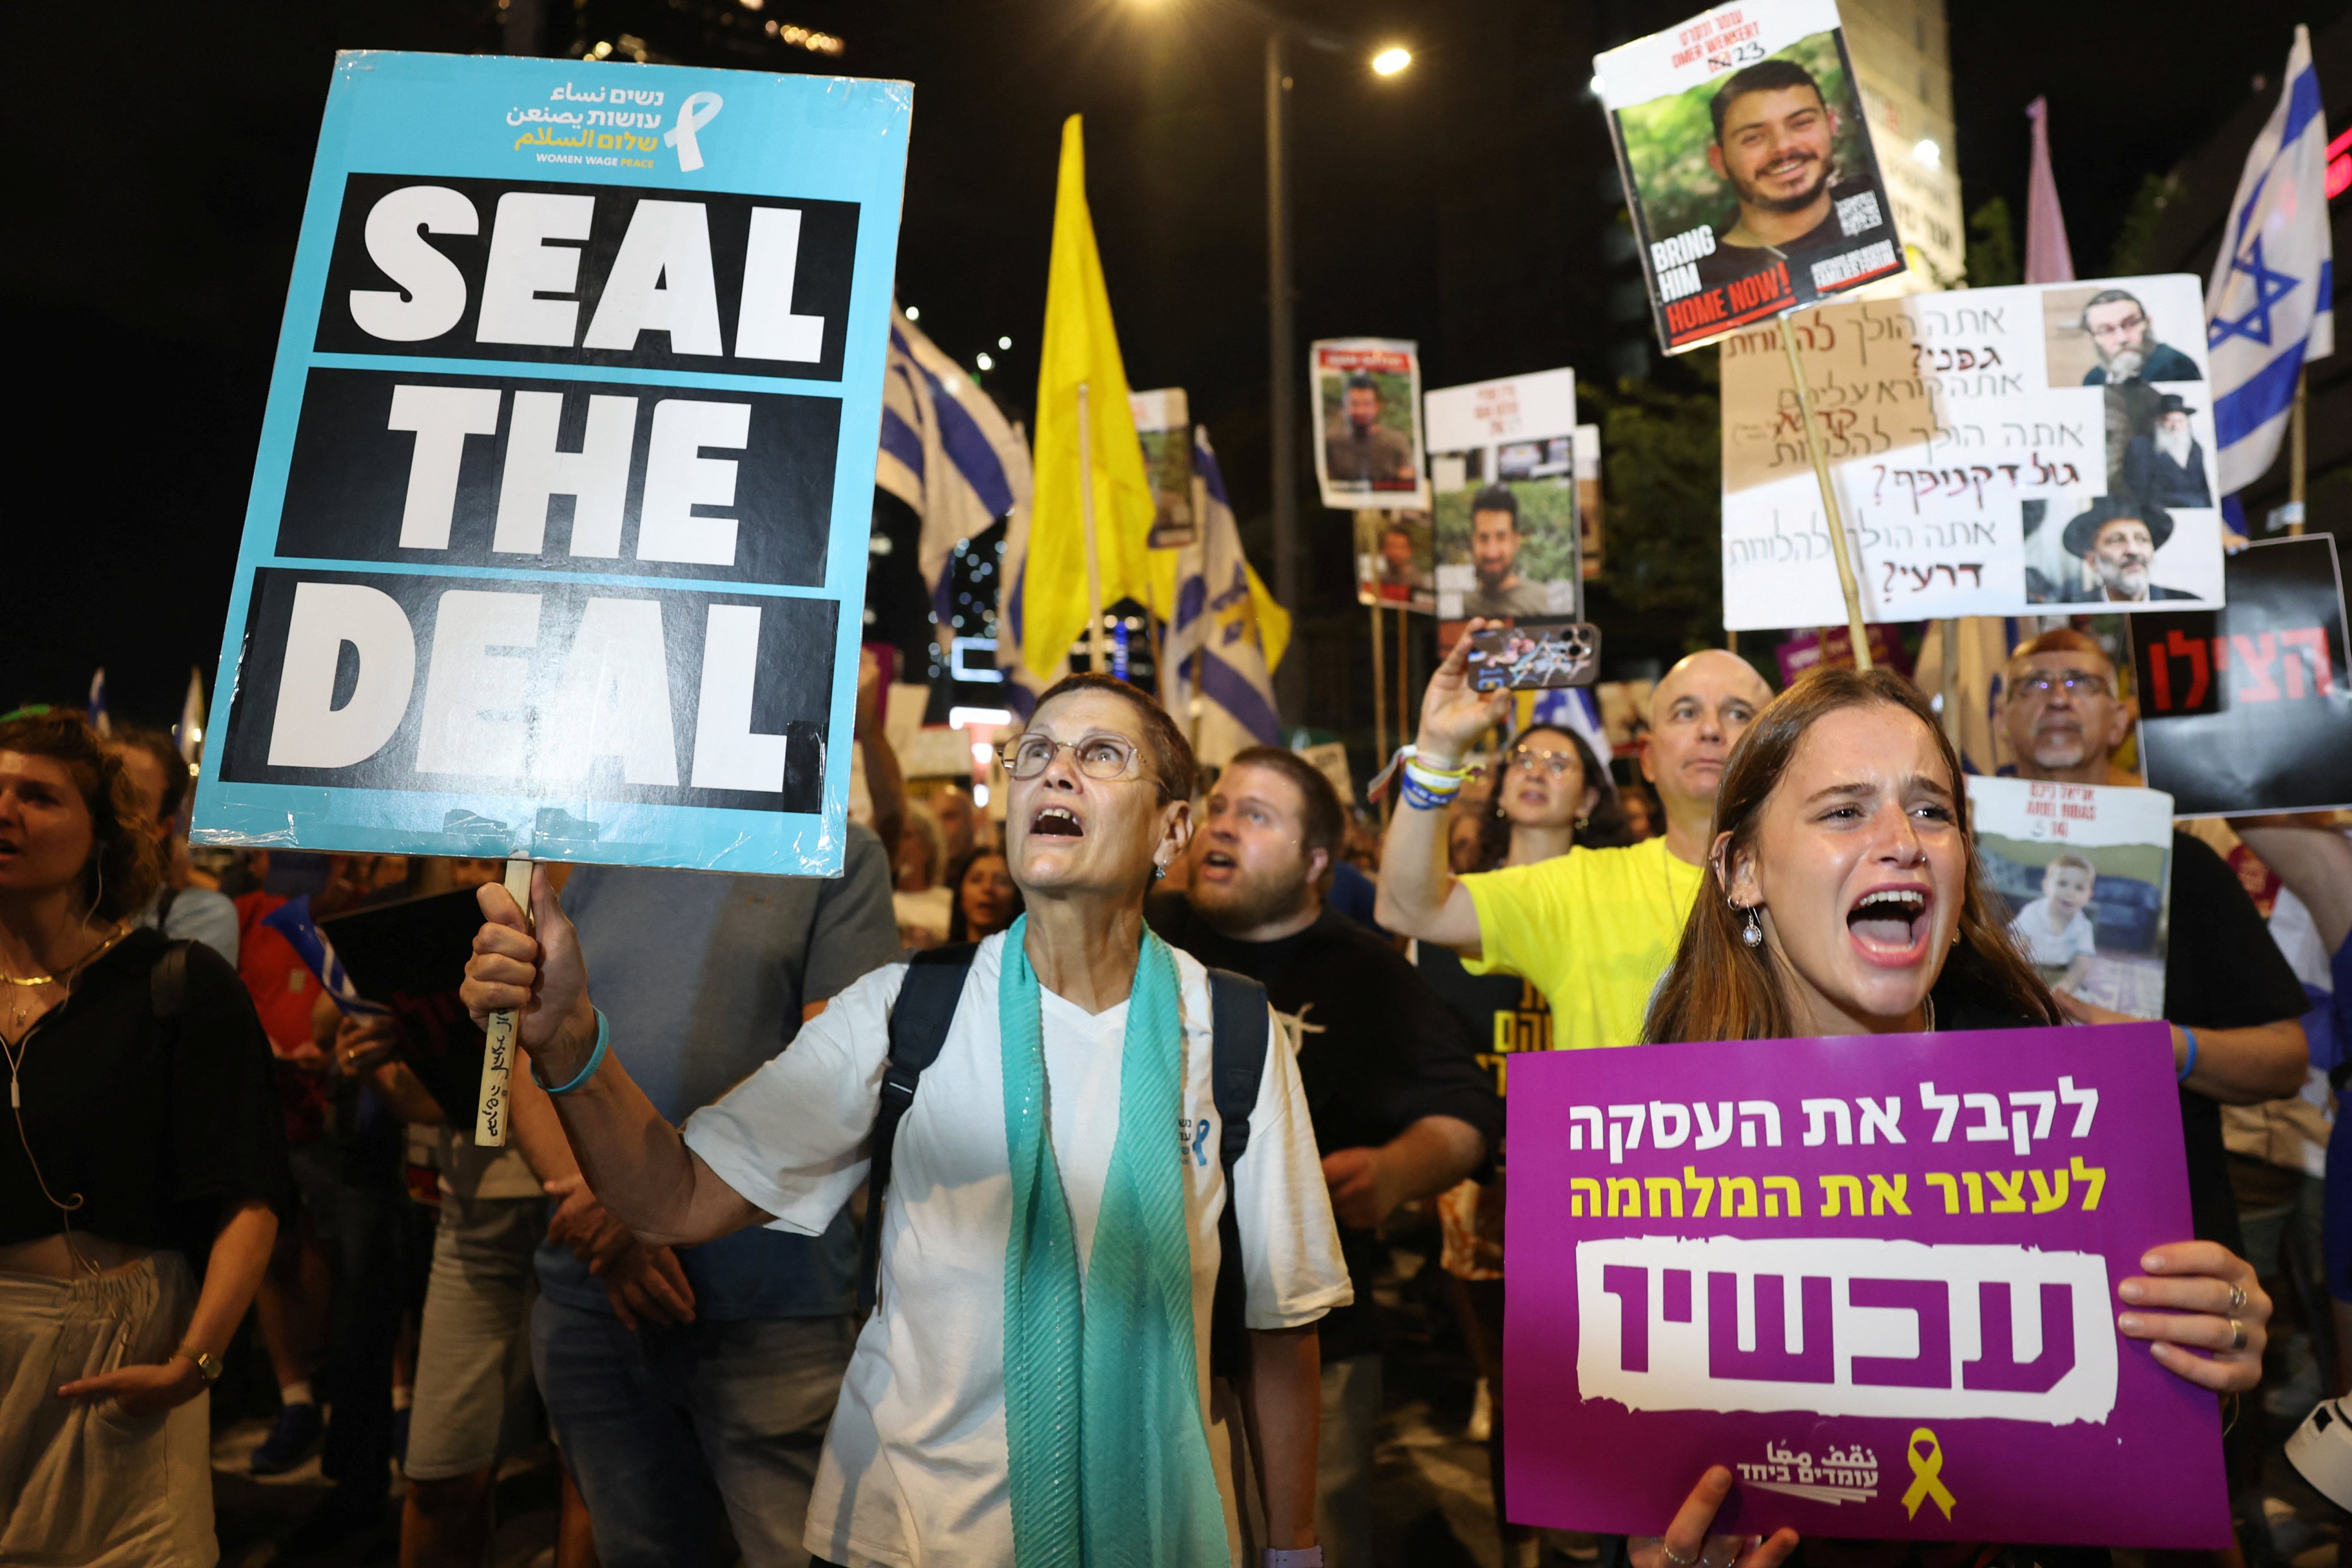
(664, 1428)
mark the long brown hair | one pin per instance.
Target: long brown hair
(1605, 829)
(1719, 988)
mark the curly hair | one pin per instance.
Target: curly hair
(125, 869)
(1606, 828)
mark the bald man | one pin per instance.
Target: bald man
(1593, 928)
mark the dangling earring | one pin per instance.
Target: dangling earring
(1158, 872)
(1584, 822)
(1752, 933)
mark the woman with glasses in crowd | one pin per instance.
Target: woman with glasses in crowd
(986, 1416)
(1550, 794)
(1845, 787)
(143, 1132)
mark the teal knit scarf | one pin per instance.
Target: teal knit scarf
(1102, 1403)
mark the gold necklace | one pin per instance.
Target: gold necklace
(71, 970)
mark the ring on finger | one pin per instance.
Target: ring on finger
(2237, 1335)
(2237, 1297)
(1676, 1558)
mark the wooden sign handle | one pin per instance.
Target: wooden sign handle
(498, 1051)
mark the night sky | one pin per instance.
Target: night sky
(163, 153)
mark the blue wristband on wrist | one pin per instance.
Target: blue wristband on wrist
(2189, 1064)
(596, 1058)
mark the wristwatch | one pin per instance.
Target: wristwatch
(207, 1365)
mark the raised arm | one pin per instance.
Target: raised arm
(634, 1159)
(1418, 895)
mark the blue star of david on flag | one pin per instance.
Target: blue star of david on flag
(2270, 287)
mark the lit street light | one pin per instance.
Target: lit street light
(1391, 61)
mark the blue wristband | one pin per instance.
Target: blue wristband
(596, 1058)
(2188, 1066)
(1417, 794)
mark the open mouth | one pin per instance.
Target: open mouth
(1890, 924)
(1056, 821)
(1782, 168)
(1216, 864)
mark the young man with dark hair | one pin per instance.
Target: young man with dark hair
(1400, 1108)
(1357, 449)
(1495, 552)
(1775, 146)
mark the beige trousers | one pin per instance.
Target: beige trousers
(80, 1482)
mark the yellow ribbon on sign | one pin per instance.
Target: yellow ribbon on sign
(1925, 1474)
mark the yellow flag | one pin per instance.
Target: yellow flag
(1081, 350)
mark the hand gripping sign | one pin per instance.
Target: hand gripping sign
(1873, 1276)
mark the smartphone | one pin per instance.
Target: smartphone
(1534, 658)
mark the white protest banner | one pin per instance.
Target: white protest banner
(1747, 165)
(1502, 485)
(1995, 451)
(557, 538)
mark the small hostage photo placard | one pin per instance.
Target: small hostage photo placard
(1748, 164)
(1875, 1277)
(1365, 396)
(1503, 483)
(2087, 872)
(557, 538)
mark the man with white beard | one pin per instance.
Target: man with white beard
(2119, 329)
(2117, 540)
(2166, 467)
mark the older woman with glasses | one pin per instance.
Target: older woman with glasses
(1034, 1384)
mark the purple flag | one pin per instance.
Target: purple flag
(1875, 1277)
(2047, 258)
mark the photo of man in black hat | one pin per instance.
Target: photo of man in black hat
(2118, 539)
(2165, 466)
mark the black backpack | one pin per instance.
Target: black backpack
(918, 1027)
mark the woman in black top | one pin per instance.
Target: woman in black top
(1845, 787)
(143, 1131)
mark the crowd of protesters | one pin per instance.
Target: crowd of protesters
(839, 1223)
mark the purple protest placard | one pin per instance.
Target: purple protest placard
(1874, 1276)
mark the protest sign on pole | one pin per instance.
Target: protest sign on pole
(1875, 1277)
(2087, 872)
(1503, 500)
(1747, 165)
(1994, 452)
(1591, 549)
(556, 542)
(1163, 422)
(2249, 709)
(1366, 400)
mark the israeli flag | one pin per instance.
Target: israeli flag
(946, 450)
(2270, 305)
(291, 919)
(1227, 634)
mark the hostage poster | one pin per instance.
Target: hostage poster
(557, 538)
(1748, 167)
(1366, 402)
(1996, 452)
(1873, 1275)
(1504, 494)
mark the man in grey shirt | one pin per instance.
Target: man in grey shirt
(682, 1382)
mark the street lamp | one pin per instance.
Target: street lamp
(1283, 351)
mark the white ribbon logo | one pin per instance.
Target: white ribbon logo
(699, 111)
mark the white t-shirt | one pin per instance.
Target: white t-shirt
(2053, 949)
(915, 1469)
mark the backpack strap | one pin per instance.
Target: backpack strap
(1238, 1025)
(918, 1027)
(167, 983)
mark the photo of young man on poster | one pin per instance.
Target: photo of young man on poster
(1747, 162)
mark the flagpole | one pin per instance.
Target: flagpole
(2294, 454)
(490, 1117)
(1838, 550)
(1380, 701)
(1096, 659)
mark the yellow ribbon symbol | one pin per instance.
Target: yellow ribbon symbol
(1926, 1474)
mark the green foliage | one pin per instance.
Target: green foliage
(1992, 259)
(2135, 251)
(1546, 528)
(1666, 141)
(1662, 484)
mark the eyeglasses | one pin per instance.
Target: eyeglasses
(1556, 764)
(2129, 325)
(1105, 757)
(2076, 682)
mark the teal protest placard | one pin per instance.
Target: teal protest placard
(556, 544)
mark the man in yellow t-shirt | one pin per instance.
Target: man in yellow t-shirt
(1593, 928)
